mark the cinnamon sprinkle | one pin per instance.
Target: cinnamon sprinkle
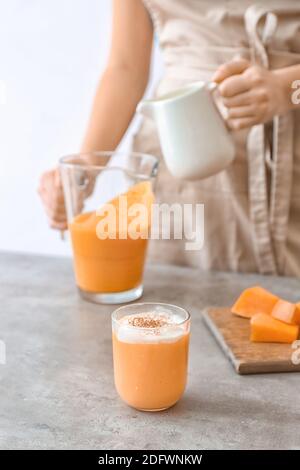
(147, 321)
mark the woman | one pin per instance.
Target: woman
(252, 209)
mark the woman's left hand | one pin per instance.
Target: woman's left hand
(251, 94)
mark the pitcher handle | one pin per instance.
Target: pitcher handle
(211, 86)
(221, 109)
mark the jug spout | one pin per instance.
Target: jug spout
(146, 108)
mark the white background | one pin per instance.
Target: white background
(52, 55)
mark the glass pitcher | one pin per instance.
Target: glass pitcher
(101, 190)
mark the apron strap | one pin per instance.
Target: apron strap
(258, 199)
(257, 148)
(258, 42)
(281, 186)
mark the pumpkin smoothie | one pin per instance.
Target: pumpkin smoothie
(150, 351)
(113, 263)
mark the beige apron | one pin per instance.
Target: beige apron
(252, 209)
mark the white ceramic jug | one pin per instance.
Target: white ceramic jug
(193, 136)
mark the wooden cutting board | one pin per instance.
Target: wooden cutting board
(232, 334)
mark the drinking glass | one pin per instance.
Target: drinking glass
(108, 263)
(150, 354)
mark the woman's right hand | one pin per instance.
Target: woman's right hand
(51, 193)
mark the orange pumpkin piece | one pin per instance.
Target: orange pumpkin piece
(287, 312)
(254, 300)
(266, 329)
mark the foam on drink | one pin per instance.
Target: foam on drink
(149, 327)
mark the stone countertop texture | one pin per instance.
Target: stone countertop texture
(57, 388)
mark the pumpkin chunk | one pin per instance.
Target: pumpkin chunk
(254, 300)
(287, 312)
(266, 329)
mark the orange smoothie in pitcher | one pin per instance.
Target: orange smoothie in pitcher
(112, 264)
(150, 352)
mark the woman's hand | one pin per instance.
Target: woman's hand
(51, 192)
(251, 94)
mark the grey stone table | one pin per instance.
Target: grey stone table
(56, 388)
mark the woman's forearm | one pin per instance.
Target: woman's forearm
(117, 95)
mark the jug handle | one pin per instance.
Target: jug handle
(212, 87)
